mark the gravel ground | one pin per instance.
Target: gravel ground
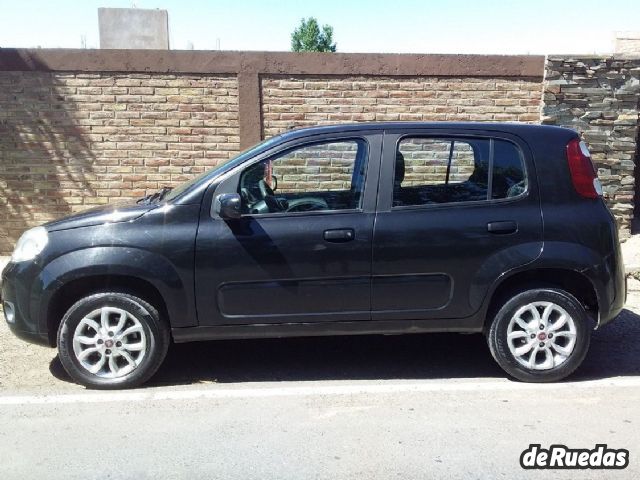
(614, 352)
(24, 365)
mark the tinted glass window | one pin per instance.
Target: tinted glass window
(509, 179)
(313, 177)
(430, 170)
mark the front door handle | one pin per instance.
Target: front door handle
(502, 227)
(339, 235)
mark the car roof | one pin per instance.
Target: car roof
(521, 129)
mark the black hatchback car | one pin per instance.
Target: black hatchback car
(383, 228)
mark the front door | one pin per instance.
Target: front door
(456, 210)
(302, 250)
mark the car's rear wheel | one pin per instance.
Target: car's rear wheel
(540, 335)
(112, 340)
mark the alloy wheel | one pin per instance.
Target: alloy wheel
(541, 335)
(109, 342)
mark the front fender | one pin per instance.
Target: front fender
(115, 260)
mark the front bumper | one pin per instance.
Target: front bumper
(18, 303)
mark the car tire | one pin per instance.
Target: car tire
(558, 343)
(112, 340)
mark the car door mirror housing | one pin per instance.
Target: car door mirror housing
(228, 205)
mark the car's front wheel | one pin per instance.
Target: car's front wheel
(540, 335)
(112, 340)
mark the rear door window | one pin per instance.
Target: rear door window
(452, 170)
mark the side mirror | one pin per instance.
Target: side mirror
(228, 205)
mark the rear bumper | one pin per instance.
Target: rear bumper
(612, 278)
(16, 303)
(610, 313)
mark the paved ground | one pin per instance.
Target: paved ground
(330, 430)
(352, 407)
(631, 254)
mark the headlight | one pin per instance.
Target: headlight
(30, 244)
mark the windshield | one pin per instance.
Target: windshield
(241, 157)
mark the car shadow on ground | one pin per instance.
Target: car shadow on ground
(615, 351)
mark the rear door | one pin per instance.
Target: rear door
(456, 209)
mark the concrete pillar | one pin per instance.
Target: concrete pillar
(133, 28)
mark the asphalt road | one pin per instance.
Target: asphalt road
(421, 406)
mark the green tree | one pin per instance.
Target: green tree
(308, 37)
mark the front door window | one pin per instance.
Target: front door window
(321, 176)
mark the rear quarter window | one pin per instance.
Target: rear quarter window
(509, 177)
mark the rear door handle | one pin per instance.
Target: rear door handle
(502, 227)
(339, 235)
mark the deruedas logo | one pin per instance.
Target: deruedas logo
(562, 457)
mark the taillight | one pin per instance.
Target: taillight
(583, 174)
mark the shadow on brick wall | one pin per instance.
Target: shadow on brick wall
(45, 153)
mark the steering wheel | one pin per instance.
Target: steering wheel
(247, 197)
(273, 203)
(265, 189)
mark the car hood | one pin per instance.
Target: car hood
(114, 213)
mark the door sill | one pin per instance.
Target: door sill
(283, 330)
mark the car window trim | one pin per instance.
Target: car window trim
(301, 214)
(463, 204)
(490, 170)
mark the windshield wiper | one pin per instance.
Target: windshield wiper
(155, 197)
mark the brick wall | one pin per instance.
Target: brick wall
(289, 102)
(81, 127)
(298, 102)
(69, 141)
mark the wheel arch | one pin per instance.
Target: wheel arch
(146, 274)
(575, 283)
(74, 290)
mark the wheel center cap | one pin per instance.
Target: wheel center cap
(542, 336)
(108, 343)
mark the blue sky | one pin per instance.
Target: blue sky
(404, 26)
